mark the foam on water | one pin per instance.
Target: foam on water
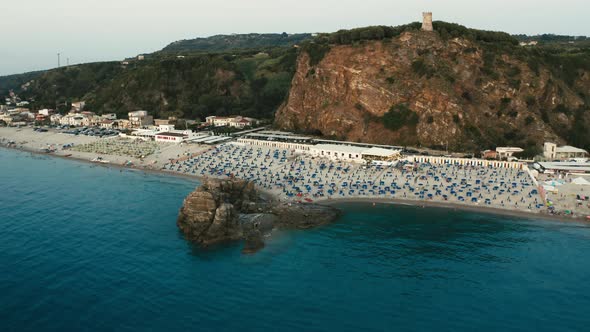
(87, 248)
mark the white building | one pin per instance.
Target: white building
(380, 154)
(230, 121)
(76, 120)
(337, 152)
(507, 152)
(55, 118)
(552, 152)
(140, 119)
(276, 144)
(78, 105)
(109, 116)
(354, 153)
(165, 127)
(170, 137)
(108, 124)
(45, 112)
(531, 43)
(6, 118)
(28, 115)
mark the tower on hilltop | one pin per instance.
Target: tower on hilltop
(427, 21)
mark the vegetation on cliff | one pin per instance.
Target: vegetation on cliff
(464, 88)
(399, 116)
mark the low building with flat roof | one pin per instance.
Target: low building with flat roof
(563, 167)
(552, 152)
(170, 137)
(337, 152)
(380, 154)
(507, 151)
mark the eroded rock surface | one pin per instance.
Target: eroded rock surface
(463, 94)
(232, 210)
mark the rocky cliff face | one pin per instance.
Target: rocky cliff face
(464, 95)
(231, 210)
(210, 214)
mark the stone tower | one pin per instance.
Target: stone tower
(427, 21)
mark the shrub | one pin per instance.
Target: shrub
(421, 68)
(399, 116)
(544, 115)
(529, 120)
(513, 71)
(315, 51)
(514, 83)
(466, 95)
(530, 101)
(561, 108)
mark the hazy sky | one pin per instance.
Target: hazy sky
(34, 31)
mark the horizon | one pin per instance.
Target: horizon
(85, 39)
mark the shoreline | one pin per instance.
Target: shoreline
(269, 194)
(144, 169)
(451, 206)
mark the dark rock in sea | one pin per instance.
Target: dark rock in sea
(232, 210)
(305, 215)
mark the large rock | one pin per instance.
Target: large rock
(210, 213)
(231, 210)
(446, 83)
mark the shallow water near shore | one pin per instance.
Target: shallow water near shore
(87, 248)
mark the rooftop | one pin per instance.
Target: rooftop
(508, 149)
(339, 148)
(171, 134)
(566, 166)
(570, 149)
(380, 152)
(278, 136)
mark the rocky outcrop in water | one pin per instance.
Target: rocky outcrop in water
(232, 210)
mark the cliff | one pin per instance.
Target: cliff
(232, 210)
(435, 89)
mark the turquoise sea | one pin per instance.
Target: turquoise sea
(89, 248)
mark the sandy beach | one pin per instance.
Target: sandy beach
(87, 148)
(291, 177)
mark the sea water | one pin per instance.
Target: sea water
(91, 248)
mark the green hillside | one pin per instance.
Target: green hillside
(11, 82)
(247, 83)
(222, 43)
